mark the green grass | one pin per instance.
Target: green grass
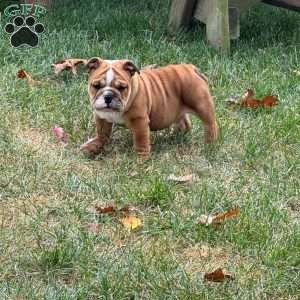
(48, 191)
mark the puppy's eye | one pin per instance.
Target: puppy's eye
(97, 86)
(122, 88)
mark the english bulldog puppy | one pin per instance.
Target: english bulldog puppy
(152, 99)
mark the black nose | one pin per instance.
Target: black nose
(108, 96)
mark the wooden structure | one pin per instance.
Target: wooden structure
(222, 17)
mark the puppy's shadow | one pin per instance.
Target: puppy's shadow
(167, 140)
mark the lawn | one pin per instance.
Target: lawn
(53, 243)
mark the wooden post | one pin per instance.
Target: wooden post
(217, 24)
(181, 13)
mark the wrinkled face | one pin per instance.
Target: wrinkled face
(109, 83)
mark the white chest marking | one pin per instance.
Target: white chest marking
(109, 76)
(110, 116)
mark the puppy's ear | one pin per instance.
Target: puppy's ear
(130, 67)
(93, 64)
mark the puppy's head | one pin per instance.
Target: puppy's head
(109, 83)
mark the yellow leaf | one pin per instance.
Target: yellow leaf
(131, 222)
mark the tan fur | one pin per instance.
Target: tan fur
(155, 99)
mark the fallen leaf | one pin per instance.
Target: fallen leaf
(269, 101)
(119, 244)
(127, 208)
(248, 100)
(105, 210)
(227, 214)
(68, 64)
(217, 276)
(59, 132)
(131, 222)
(23, 74)
(249, 94)
(67, 280)
(205, 220)
(93, 227)
(182, 179)
(217, 218)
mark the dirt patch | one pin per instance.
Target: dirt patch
(38, 140)
(202, 258)
(14, 212)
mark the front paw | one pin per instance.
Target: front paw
(143, 155)
(92, 146)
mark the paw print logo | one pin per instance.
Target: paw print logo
(24, 31)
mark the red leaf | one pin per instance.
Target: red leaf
(104, 210)
(217, 276)
(269, 101)
(59, 132)
(68, 64)
(227, 214)
(23, 74)
(249, 101)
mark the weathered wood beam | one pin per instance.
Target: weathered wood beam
(290, 4)
(181, 14)
(217, 25)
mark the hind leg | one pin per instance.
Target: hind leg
(203, 107)
(184, 124)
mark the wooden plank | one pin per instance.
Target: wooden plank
(290, 4)
(217, 24)
(243, 5)
(202, 10)
(202, 7)
(181, 13)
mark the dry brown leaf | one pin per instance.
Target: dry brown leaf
(269, 101)
(68, 64)
(119, 244)
(249, 101)
(227, 214)
(217, 218)
(67, 280)
(217, 276)
(131, 222)
(205, 220)
(182, 179)
(105, 210)
(23, 74)
(111, 208)
(127, 208)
